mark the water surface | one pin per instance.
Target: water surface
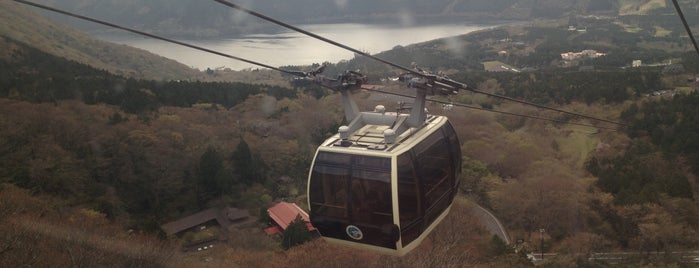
(292, 48)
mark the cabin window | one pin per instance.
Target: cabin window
(371, 197)
(409, 201)
(370, 189)
(436, 174)
(455, 147)
(330, 188)
(353, 189)
(370, 203)
(331, 173)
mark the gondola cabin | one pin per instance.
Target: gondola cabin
(386, 180)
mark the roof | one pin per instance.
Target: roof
(284, 213)
(190, 221)
(371, 137)
(234, 214)
(223, 217)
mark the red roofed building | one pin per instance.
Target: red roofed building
(283, 213)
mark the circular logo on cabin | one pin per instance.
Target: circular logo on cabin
(354, 232)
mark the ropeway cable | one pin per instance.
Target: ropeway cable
(412, 71)
(295, 73)
(492, 111)
(152, 36)
(686, 26)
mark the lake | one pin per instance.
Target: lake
(292, 48)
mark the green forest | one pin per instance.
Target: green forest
(121, 108)
(93, 162)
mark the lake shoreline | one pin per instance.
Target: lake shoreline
(237, 31)
(289, 48)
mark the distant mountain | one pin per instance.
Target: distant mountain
(22, 25)
(208, 19)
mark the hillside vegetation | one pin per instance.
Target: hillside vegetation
(209, 19)
(22, 25)
(93, 161)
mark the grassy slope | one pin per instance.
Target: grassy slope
(639, 7)
(21, 24)
(578, 144)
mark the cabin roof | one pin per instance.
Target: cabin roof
(284, 213)
(223, 217)
(371, 137)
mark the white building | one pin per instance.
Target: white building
(588, 53)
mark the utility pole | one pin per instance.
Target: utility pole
(541, 231)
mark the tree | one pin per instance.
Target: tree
(138, 101)
(473, 171)
(211, 174)
(658, 231)
(642, 175)
(296, 233)
(548, 197)
(245, 164)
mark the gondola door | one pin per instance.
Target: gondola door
(351, 199)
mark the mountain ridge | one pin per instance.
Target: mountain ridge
(196, 19)
(25, 26)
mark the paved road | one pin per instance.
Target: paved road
(491, 223)
(612, 257)
(616, 257)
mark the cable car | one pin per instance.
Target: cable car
(386, 180)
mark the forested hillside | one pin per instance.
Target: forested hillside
(543, 76)
(90, 171)
(207, 19)
(93, 161)
(35, 76)
(124, 106)
(197, 18)
(20, 24)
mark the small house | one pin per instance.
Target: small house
(282, 214)
(196, 228)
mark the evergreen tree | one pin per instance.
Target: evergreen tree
(245, 164)
(138, 101)
(296, 234)
(212, 175)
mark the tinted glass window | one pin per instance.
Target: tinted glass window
(371, 197)
(436, 174)
(353, 190)
(329, 186)
(370, 206)
(409, 201)
(371, 189)
(455, 147)
(373, 163)
(334, 158)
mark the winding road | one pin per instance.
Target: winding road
(491, 223)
